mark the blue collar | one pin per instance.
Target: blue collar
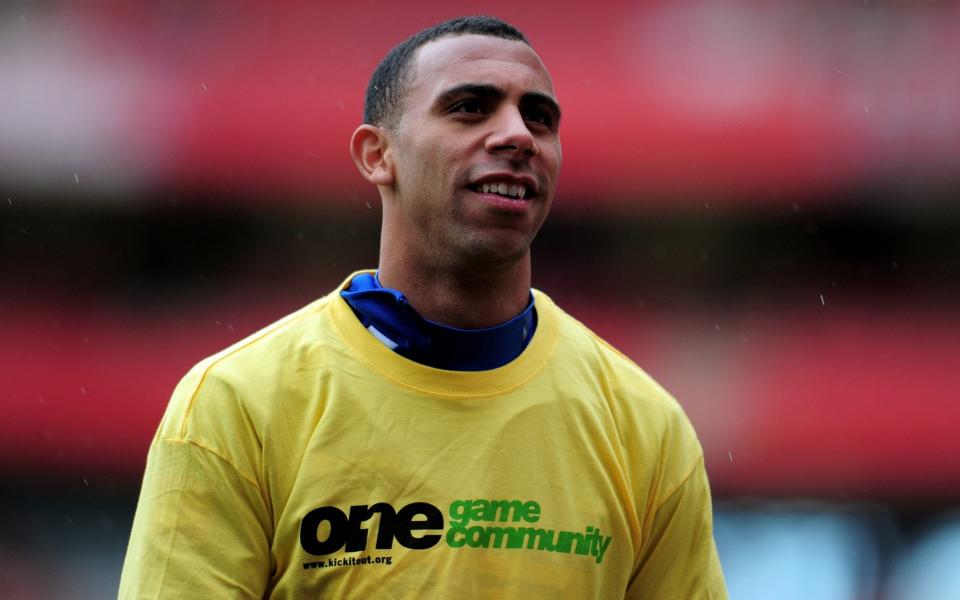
(387, 314)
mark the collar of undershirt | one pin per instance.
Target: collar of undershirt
(387, 314)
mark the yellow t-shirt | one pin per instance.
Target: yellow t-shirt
(310, 461)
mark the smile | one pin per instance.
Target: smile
(508, 190)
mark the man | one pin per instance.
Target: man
(435, 429)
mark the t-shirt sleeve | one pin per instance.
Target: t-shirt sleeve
(202, 527)
(679, 557)
(200, 530)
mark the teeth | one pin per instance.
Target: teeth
(504, 189)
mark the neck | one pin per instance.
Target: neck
(460, 295)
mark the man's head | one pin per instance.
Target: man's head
(387, 86)
(462, 142)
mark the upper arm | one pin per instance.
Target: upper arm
(201, 530)
(678, 557)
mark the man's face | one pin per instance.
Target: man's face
(477, 151)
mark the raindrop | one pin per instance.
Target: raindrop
(76, 178)
(204, 86)
(822, 301)
(83, 390)
(730, 454)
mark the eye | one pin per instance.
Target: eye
(470, 107)
(539, 116)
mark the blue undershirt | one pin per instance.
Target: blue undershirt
(387, 314)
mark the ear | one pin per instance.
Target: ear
(369, 148)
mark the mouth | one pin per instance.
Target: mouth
(512, 191)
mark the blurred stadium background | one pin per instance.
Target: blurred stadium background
(759, 204)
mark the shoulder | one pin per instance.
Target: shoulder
(233, 384)
(580, 346)
(642, 409)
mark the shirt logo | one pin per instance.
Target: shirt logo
(490, 524)
(349, 532)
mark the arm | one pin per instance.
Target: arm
(202, 527)
(678, 558)
(200, 531)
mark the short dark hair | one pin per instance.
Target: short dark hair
(388, 83)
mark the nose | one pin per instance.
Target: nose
(511, 135)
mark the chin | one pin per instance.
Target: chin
(494, 255)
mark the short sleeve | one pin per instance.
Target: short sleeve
(201, 529)
(678, 558)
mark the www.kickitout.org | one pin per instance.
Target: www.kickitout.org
(469, 528)
(350, 561)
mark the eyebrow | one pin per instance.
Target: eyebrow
(492, 92)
